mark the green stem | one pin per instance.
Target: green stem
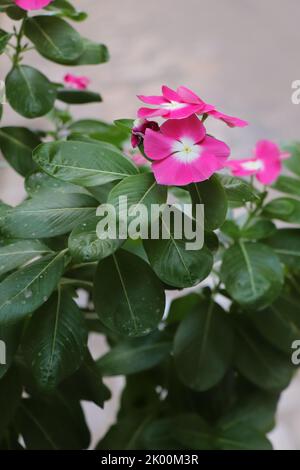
(19, 49)
(77, 283)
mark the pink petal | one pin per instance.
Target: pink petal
(212, 146)
(190, 127)
(32, 4)
(231, 121)
(145, 113)
(285, 155)
(152, 99)
(238, 168)
(266, 149)
(76, 82)
(156, 145)
(270, 173)
(188, 96)
(184, 112)
(170, 94)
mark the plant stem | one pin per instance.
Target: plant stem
(19, 36)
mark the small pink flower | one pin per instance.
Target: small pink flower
(76, 82)
(181, 104)
(183, 153)
(32, 4)
(139, 128)
(265, 164)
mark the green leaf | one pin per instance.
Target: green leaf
(11, 336)
(285, 209)
(93, 54)
(293, 163)
(25, 290)
(279, 324)
(4, 40)
(135, 355)
(53, 423)
(15, 13)
(55, 340)
(252, 274)
(10, 397)
(126, 434)
(99, 130)
(286, 243)
(17, 144)
(259, 362)
(54, 38)
(258, 229)
(203, 346)
(39, 182)
(78, 96)
(242, 437)
(128, 297)
(173, 261)
(142, 191)
(82, 163)
(86, 246)
(64, 8)
(29, 92)
(288, 185)
(212, 194)
(126, 124)
(238, 191)
(17, 253)
(181, 306)
(48, 215)
(86, 384)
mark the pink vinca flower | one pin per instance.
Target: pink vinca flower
(32, 4)
(265, 164)
(183, 153)
(139, 128)
(76, 82)
(180, 104)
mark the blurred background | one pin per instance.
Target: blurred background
(240, 55)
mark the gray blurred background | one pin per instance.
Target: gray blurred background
(240, 55)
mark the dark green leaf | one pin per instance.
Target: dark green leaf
(78, 96)
(252, 274)
(135, 355)
(128, 297)
(93, 54)
(85, 164)
(242, 437)
(28, 288)
(286, 243)
(293, 163)
(288, 185)
(17, 253)
(4, 39)
(54, 38)
(258, 229)
(10, 396)
(38, 182)
(182, 306)
(55, 340)
(17, 144)
(47, 215)
(203, 346)
(29, 92)
(285, 209)
(99, 130)
(237, 190)
(10, 335)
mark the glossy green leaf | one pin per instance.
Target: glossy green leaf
(285, 209)
(181, 306)
(258, 229)
(17, 144)
(86, 246)
(259, 362)
(54, 38)
(48, 215)
(212, 194)
(39, 182)
(66, 9)
(82, 163)
(55, 340)
(100, 130)
(26, 289)
(293, 163)
(128, 297)
(203, 346)
(252, 274)
(29, 92)
(135, 355)
(16, 253)
(288, 185)
(70, 96)
(93, 54)
(286, 243)
(10, 397)
(238, 191)
(242, 437)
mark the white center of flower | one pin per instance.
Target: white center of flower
(255, 165)
(172, 105)
(186, 150)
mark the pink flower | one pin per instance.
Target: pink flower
(265, 164)
(76, 82)
(181, 104)
(183, 153)
(32, 4)
(139, 128)
(139, 160)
